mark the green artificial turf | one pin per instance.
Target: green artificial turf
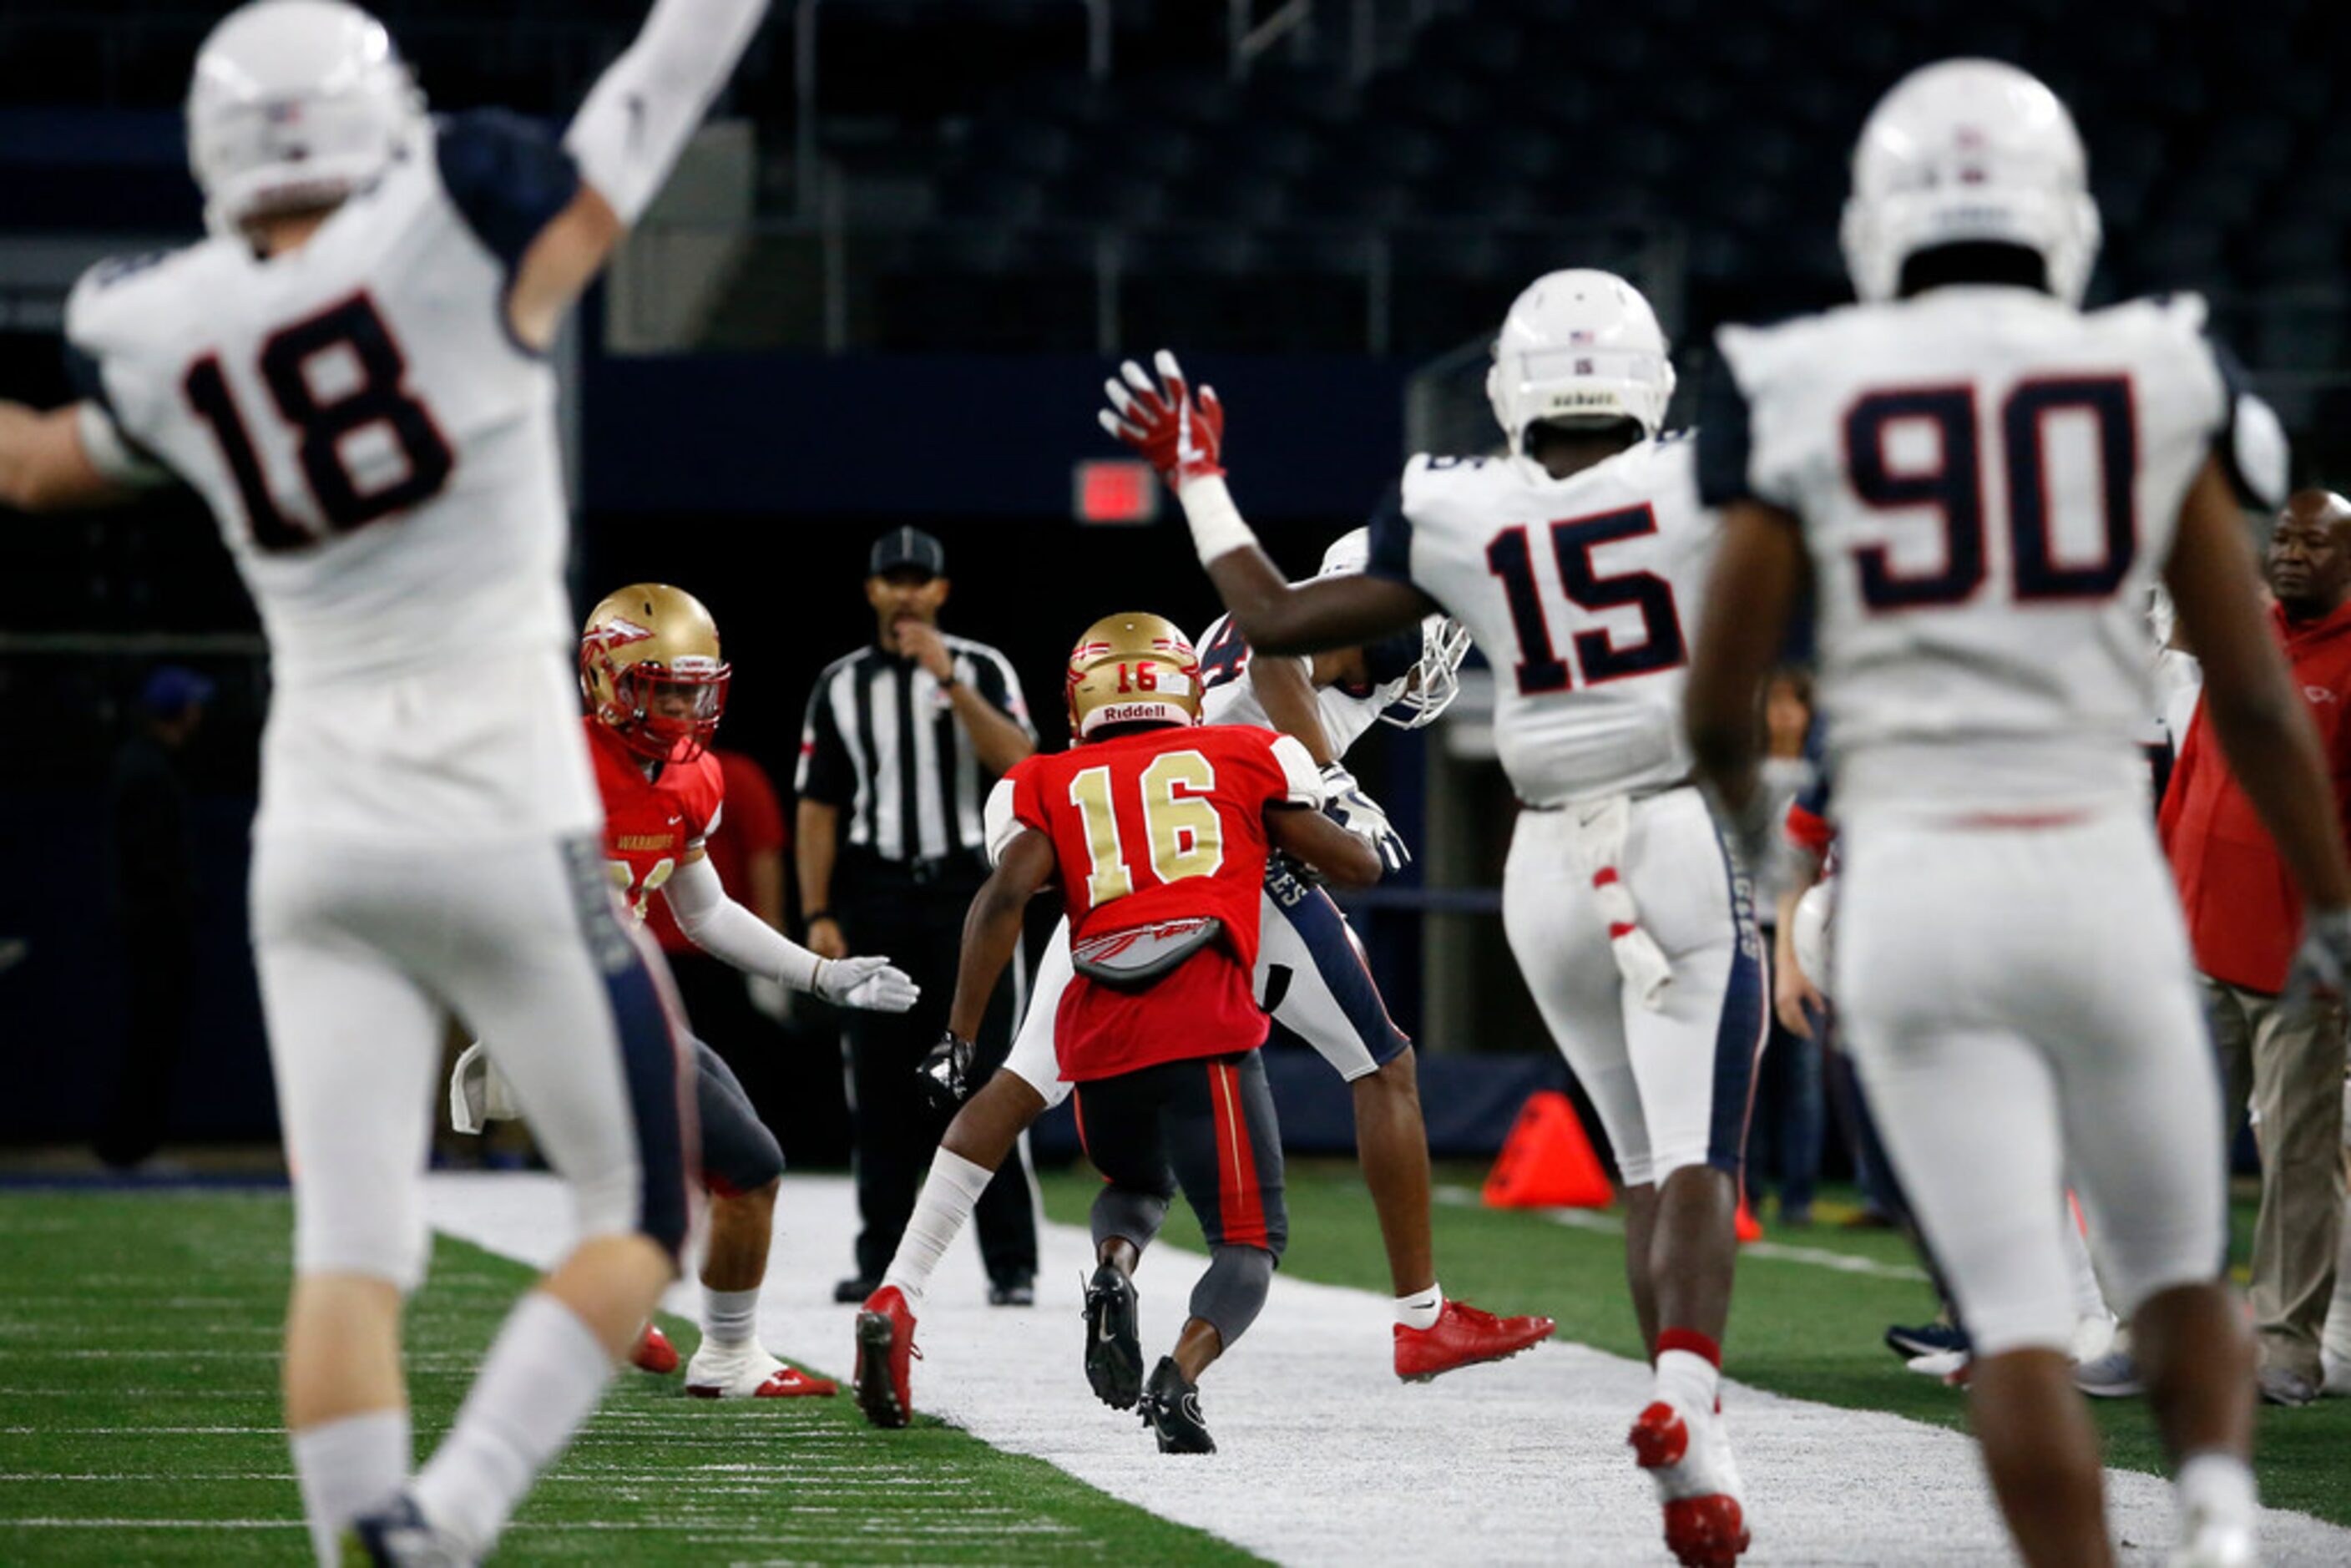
(137, 1384)
(1797, 1328)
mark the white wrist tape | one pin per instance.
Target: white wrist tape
(1218, 527)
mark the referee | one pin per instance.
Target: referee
(903, 740)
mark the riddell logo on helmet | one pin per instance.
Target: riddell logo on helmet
(1120, 713)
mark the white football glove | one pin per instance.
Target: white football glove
(478, 1093)
(870, 983)
(1344, 802)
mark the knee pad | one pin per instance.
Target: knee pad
(1229, 1296)
(1129, 1212)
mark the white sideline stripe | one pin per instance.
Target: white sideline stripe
(1611, 1224)
(1327, 1459)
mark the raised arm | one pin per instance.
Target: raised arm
(1183, 437)
(626, 139)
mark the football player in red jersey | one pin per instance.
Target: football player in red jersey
(1158, 831)
(656, 685)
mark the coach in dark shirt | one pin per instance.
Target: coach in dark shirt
(904, 741)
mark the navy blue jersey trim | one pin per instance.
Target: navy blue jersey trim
(509, 179)
(1391, 538)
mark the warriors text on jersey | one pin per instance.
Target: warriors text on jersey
(1160, 825)
(1228, 697)
(1583, 591)
(1990, 481)
(652, 824)
(382, 458)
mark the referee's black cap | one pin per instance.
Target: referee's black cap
(907, 548)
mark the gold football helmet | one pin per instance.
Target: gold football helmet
(1133, 669)
(652, 673)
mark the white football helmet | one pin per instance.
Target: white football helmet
(295, 103)
(1444, 644)
(1968, 150)
(1580, 345)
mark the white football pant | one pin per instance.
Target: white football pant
(1672, 1082)
(2020, 1005)
(365, 952)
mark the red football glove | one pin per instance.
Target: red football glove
(1183, 437)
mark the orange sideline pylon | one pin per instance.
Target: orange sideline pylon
(1747, 1227)
(1547, 1162)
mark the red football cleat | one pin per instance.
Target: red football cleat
(885, 1352)
(1660, 1437)
(1464, 1336)
(655, 1354)
(790, 1382)
(1705, 1531)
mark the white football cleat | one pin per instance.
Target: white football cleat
(2212, 1542)
(2338, 1373)
(748, 1372)
(1688, 1456)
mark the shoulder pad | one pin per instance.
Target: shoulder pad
(115, 295)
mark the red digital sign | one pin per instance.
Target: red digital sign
(1114, 491)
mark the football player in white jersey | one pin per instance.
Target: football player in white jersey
(352, 372)
(1576, 562)
(1311, 976)
(1978, 480)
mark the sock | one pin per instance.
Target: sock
(730, 1319)
(2217, 1484)
(541, 1379)
(1422, 1308)
(347, 1467)
(949, 1193)
(1689, 1370)
(2089, 1301)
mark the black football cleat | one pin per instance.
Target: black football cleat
(1171, 1408)
(1113, 1345)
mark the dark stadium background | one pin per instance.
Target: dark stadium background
(932, 261)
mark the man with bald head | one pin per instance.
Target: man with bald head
(2285, 1054)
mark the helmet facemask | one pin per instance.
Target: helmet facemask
(652, 673)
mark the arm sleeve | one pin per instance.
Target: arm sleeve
(727, 931)
(1012, 806)
(644, 110)
(992, 673)
(1302, 781)
(111, 449)
(507, 177)
(824, 774)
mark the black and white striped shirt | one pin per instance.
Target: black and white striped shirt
(881, 742)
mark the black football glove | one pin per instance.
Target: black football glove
(947, 1073)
